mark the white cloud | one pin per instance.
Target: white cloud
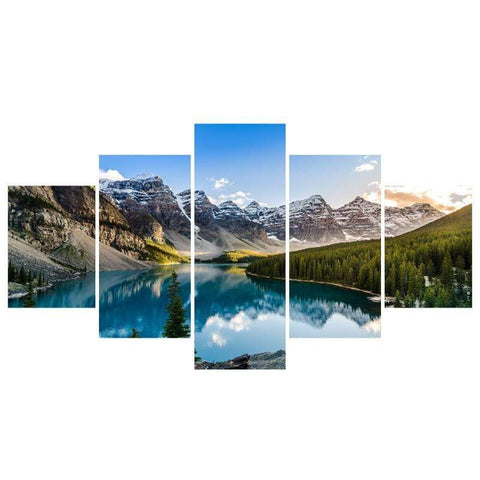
(220, 183)
(110, 174)
(367, 166)
(364, 167)
(374, 184)
(240, 198)
(374, 196)
(218, 339)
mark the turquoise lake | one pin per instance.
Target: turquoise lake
(237, 314)
(318, 310)
(137, 299)
(76, 293)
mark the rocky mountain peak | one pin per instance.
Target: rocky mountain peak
(228, 203)
(422, 206)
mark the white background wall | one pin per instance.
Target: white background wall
(104, 77)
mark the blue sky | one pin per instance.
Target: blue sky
(173, 169)
(241, 162)
(338, 178)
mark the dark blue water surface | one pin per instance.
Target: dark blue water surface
(138, 299)
(237, 314)
(76, 293)
(318, 310)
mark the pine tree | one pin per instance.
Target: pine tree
(397, 302)
(175, 327)
(135, 333)
(11, 272)
(429, 298)
(446, 274)
(29, 299)
(460, 262)
(22, 276)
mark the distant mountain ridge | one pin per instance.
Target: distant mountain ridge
(400, 220)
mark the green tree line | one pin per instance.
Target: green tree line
(353, 264)
(273, 266)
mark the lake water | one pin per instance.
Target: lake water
(77, 293)
(138, 299)
(237, 314)
(318, 310)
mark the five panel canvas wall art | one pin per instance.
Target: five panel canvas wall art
(239, 228)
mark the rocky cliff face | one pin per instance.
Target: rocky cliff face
(52, 229)
(116, 232)
(402, 220)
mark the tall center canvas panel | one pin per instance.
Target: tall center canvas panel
(335, 229)
(239, 224)
(144, 246)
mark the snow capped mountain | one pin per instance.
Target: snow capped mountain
(402, 220)
(359, 219)
(272, 218)
(144, 196)
(313, 220)
(230, 211)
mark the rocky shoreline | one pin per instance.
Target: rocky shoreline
(258, 361)
(18, 290)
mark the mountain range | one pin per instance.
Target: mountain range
(313, 222)
(142, 212)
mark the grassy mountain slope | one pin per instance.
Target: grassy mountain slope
(238, 256)
(164, 253)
